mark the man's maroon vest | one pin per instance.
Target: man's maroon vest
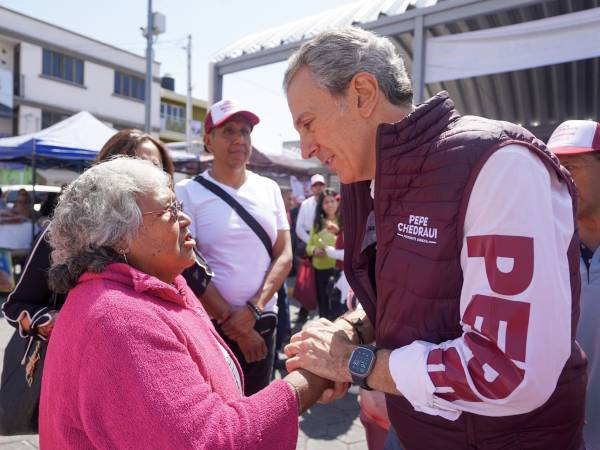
(426, 166)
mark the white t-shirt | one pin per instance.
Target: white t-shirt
(526, 328)
(233, 251)
(306, 218)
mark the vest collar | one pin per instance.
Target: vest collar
(427, 121)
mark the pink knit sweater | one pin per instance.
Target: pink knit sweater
(134, 363)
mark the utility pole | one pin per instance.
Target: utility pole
(188, 103)
(148, 93)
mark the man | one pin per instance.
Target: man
(577, 145)
(459, 244)
(244, 289)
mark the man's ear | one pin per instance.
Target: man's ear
(207, 143)
(365, 90)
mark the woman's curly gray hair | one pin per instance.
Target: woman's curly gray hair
(97, 215)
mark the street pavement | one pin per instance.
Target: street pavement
(323, 427)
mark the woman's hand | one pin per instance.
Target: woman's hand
(253, 346)
(239, 323)
(318, 251)
(46, 329)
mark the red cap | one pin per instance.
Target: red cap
(222, 111)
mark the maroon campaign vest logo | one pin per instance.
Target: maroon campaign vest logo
(418, 229)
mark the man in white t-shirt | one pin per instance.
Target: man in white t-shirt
(577, 145)
(244, 288)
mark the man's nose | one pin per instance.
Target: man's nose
(307, 147)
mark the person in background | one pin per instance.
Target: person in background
(242, 296)
(46, 209)
(2, 201)
(32, 306)
(338, 287)
(304, 223)
(326, 227)
(134, 360)
(577, 145)
(22, 209)
(283, 306)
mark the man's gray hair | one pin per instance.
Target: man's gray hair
(334, 57)
(98, 212)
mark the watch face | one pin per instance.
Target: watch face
(361, 361)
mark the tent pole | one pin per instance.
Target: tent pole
(33, 181)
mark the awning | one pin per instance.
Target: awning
(538, 43)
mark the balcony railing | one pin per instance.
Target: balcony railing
(175, 124)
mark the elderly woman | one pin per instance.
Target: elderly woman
(134, 361)
(32, 306)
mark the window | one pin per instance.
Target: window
(173, 117)
(50, 118)
(130, 85)
(61, 66)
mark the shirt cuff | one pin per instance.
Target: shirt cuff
(408, 368)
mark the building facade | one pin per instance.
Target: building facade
(172, 114)
(48, 73)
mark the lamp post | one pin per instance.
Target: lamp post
(155, 26)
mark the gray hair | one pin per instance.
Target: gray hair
(96, 213)
(335, 56)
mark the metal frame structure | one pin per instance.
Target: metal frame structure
(415, 21)
(537, 97)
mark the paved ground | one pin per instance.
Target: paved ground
(323, 427)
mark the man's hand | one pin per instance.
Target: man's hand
(239, 323)
(322, 348)
(253, 346)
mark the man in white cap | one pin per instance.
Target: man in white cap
(577, 145)
(305, 221)
(249, 269)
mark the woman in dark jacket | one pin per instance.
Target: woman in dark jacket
(32, 306)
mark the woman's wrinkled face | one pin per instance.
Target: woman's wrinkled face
(330, 205)
(163, 246)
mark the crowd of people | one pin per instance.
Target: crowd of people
(456, 277)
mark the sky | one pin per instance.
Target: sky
(213, 25)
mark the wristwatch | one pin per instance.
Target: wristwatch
(361, 364)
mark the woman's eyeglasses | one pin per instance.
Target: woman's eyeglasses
(174, 209)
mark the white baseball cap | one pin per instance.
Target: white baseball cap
(575, 136)
(317, 178)
(222, 111)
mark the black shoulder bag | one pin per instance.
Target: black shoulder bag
(268, 321)
(245, 215)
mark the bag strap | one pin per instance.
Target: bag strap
(238, 208)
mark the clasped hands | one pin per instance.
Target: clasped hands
(238, 325)
(323, 348)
